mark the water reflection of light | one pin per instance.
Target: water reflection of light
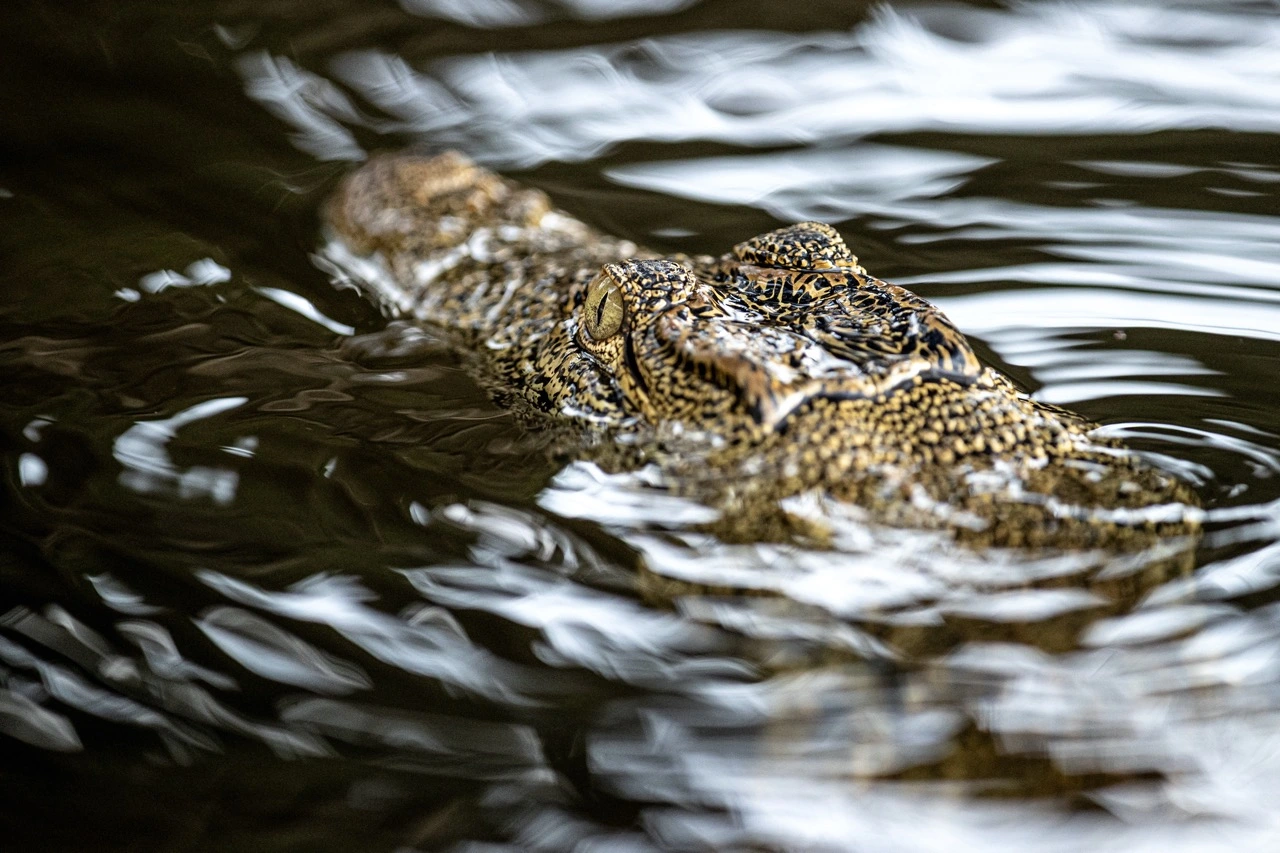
(826, 184)
(1222, 255)
(867, 572)
(303, 306)
(111, 687)
(308, 102)
(582, 490)
(1225, 256)
(158, 692)
(149, 469)
(271, 652)
(1262, 457)
(32, 470)
(1093, 307)
(119, 597)
(430, 644)
(23, 719)
(1130, 709)
(718, 753)
(606, 634)
(1037, 68)
(518, 13)
(202, 272)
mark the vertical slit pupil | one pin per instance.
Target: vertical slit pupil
(600, 311)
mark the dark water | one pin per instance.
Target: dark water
(268, 582)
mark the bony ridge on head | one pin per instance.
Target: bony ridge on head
(803, 246)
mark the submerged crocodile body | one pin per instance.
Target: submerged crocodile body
(780, 371)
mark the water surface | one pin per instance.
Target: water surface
(275, 575)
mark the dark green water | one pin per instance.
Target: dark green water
(275, 578)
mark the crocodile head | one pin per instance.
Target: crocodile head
(582, 326)
(778, 369)
(785, 318)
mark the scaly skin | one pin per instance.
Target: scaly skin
(777, 370)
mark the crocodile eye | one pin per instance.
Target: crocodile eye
(602, 314)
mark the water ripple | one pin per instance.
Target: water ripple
(376, 573)
(430, 644)
(1043, 68)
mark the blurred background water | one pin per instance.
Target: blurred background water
(274, 576)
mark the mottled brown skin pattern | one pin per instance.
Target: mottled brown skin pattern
(778, 369)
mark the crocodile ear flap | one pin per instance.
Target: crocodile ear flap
(803, 246)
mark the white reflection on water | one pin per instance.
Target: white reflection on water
(582, 490)
(1262, 458)
(1182, 684)
(825, 184)
(120, 597)
(164, 658)
(988, 314)
(32, 470)
(303, 306)
(141, 449)
(103, 683)
(271, 652)
(516, 13)
(1200, 709)
(1037, 68)
(316, 108)
(427, 643)
(158, 693)
(606, 634)
(1204, 270)
(202, 272)
(867, 569)
(1188, 253)
(1179, 689)
(25, 720)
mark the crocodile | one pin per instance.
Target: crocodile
(776, 373)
